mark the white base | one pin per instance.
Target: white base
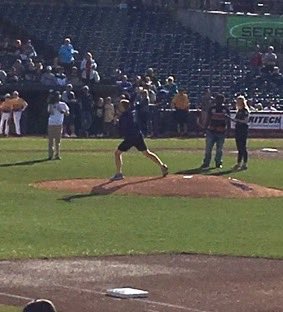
(269, 150)
(127, 292)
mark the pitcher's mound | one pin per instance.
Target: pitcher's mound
(172, 185)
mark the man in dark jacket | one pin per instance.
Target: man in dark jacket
(216, 125)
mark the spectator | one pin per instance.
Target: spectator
(109, 112)
(17, 48)
(276, 77)
(66, 55)
(74, 77)
(125, 85)
(88, 70)
(12, 75)
(151, 74)
(38, 71)
(30, 70)
(61, 78)
(48, 78)
(216, 124)
(87, 110)
(270, 107)
(269, 60)
(180, 103)
(28, 51)
(70, 125)
(99, 117)
(256, 61)
(19, 68)
(3, 75)
(206, 101)
(142, 108)
(171, 88)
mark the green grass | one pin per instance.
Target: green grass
(5, 308)
(36, 223)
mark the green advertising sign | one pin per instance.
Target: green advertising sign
(251, 29)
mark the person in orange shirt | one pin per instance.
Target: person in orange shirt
(181, 104)
(6, 110)
(18, 106)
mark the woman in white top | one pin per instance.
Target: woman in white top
(57, 110)
(88, 69)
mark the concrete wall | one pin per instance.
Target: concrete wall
(208, 24)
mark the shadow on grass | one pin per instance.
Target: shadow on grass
(198, 170)
(24, 163)
(101, 189)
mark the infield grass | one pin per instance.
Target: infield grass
(5, 308)
(37, 223)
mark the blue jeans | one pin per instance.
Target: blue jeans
(211, 139)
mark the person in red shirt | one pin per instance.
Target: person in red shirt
(256, 61)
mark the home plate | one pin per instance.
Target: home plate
(126, 292)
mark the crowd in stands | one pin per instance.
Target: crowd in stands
(75, 73)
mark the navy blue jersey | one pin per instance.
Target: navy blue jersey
(217, 121)
(128, 127)
(241, 114)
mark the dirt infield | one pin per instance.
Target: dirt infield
(175, 283)
(172, 185)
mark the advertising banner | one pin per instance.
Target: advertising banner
(255, 28)
(267, 121)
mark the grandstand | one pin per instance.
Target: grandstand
(133, 38)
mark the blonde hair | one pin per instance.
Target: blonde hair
(244, 101)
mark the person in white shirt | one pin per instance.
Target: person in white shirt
(57, 110)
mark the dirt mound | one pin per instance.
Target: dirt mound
(172, 185)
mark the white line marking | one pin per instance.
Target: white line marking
(15, 296)
(164, 304)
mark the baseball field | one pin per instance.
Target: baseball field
(53, 212)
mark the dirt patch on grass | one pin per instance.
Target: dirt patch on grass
(172, 185)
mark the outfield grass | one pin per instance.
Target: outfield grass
(37, 223)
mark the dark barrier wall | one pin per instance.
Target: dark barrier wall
(34, 119)
(161, 121)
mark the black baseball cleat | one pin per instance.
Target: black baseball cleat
(164, 170)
